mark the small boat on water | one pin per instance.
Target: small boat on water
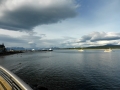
(81, 50)
(108, 50)
(47, 49)
(44, 50)
(50, 49)
(9, 81)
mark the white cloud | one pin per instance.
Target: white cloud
(12, 33)
(100, 38)
(35, 41)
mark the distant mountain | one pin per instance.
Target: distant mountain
(104, 47)
(15, 48)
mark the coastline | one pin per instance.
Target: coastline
(10, 53)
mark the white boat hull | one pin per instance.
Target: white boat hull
(81, 50)
(108, 50)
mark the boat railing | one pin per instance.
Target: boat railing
(15, 82)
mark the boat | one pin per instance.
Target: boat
(81, 50)
(47, 49)
(50, 49)
(9, 81)
(108, 50)
(44, 50)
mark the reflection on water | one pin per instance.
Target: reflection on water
(67, 69)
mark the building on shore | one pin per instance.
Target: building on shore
(2, 48)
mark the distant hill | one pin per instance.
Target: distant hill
(104, 47)
(15, 48)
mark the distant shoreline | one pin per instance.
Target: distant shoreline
(90, 48)
(10, 53)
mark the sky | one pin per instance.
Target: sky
(59, 23)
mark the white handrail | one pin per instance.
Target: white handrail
(16, 79)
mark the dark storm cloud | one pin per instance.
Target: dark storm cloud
(85, 38)
(12, 41)
(23, 41)
(6, 38)
(27, 16)
(1, 1)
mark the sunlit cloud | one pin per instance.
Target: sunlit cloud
(100, 38)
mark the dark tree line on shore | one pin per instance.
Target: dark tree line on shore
(3, 51)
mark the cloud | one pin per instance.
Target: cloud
(31, 41)
(100, 38)
(68, 42)
(32, 44)
(11, 41)
(58, 42)
(1, 1)
(27, 14)
(6, 38)
(40, 41)
(21, 41)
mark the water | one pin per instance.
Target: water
(67, 69)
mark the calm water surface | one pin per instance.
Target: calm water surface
(67, 69)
